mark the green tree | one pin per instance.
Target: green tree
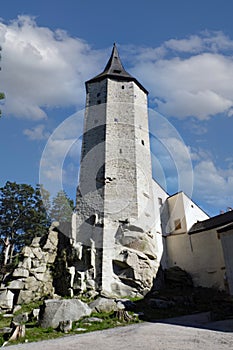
(62, 208)
(22, 217)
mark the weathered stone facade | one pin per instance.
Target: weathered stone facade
(115, 216)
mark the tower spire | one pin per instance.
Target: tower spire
(114, 69)
(114, 65)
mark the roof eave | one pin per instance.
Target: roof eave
(115, 77)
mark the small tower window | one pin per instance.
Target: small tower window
(143, 143)
(120, 150)
(98, 94)
(115, 120)
(160, 201)
(177, 224)
(98, 102)
(123, 87)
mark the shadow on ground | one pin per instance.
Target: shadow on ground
(176, 301)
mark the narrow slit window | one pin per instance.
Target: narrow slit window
(143, 143)
(177, 224)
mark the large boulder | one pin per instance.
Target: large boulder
(135, 269)
(103, 305)
(53, 312)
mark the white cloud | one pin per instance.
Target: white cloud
(206, 41)
(193, 44)
(213, 185)
(188, 77)
(36, 133)
(43, 68)
(61, 152)
(199, 86)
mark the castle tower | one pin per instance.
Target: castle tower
(114, 219)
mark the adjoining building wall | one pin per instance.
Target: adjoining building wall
(201, 255)
(193, 212)
(160, 197)
(181, 214)
(227, 245)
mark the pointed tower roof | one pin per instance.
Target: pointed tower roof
(115, 70)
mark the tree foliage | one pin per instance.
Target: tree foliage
(22, 215)
(62, 208)
(26, 212)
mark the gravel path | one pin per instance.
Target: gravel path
(146, 336)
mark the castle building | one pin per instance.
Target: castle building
(125, 225)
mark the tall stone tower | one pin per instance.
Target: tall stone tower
(114, 221)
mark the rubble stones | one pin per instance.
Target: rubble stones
(38, 253)
(21, 318)
(36, 242)
(17, 308)
(20, 272)
(65, 326)
(25, 297)
(92, 319)
(32, 277)
(34, 314)
(16, 284)
(6, 299)
(32, 284)
(27, 252)
(26, 263)
(103, 305)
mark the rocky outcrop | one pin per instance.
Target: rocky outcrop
(32, 279)
(125, 266)
(52, 266)
(135, 263)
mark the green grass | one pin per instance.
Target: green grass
(35, 333)
(201, 299)
(29, 307)
(109, 320)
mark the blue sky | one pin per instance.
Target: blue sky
(181, 51)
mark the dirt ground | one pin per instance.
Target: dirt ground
(182, 333)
